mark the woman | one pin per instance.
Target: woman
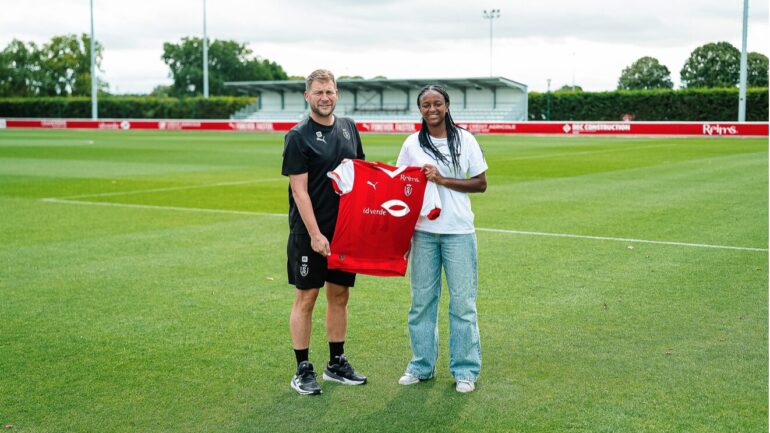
(452, 159)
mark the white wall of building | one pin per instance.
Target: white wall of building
(471, 103)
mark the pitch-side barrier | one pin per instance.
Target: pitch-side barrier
(719, 129)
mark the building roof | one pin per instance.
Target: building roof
(377, 84)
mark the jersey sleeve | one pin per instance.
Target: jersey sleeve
(476, 162)
(431, 202)
(295, 159)
(343, 176)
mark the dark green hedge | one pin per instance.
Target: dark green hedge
(125, 107)
(651, 105)
(644, 105)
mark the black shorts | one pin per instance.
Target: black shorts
(308, 270)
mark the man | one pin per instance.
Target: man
(314, 147)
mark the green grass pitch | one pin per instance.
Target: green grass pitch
(623, 288)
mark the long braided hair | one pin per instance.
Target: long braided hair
(452, 132)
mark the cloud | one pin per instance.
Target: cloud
(592, 40)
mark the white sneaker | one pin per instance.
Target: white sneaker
(465, 386)
(408, 379)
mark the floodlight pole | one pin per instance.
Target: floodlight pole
(491, 15)
(94, 107)
(205, 55)
(548, 101)
(744, 66)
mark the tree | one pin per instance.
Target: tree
(570, 88)
(756, 70)
(61, 67)
(712, 65)
(20, 73)
(228, 61)
(161, 91)
(645, 73)
(66, 65)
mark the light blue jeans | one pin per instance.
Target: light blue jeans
(457, 255)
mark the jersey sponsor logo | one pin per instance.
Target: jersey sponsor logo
(397, 208)
(319, 136)
(408, 189)
(370, 211)
(345, 133)
(373, 184)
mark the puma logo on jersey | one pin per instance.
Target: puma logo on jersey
(373, 184)
(319, 136)
(396, 208)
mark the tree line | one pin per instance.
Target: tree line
(59, 67)
(62, 67)
(716, 64)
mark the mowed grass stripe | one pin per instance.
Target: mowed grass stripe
(482, 229)
(686, 200)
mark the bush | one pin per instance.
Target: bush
(641, 105)
(124, 107)
(651, 105)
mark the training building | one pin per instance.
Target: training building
(471, 99)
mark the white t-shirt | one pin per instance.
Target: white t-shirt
(456, 215)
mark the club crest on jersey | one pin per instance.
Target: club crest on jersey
(408, 190)
(304, 269)
(319, 136)
(345, 133)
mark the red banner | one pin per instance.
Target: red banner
(719, 129)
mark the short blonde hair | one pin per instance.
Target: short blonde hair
(319, 75)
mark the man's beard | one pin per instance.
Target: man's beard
(317, 110)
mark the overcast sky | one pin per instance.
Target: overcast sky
(587, 42)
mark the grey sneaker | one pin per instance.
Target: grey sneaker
(304, 381)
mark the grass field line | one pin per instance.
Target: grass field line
(481, 229)
(171, 188)
(172, 208)
(607, 238)
(43, 142)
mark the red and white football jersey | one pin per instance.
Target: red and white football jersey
(379, 208)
